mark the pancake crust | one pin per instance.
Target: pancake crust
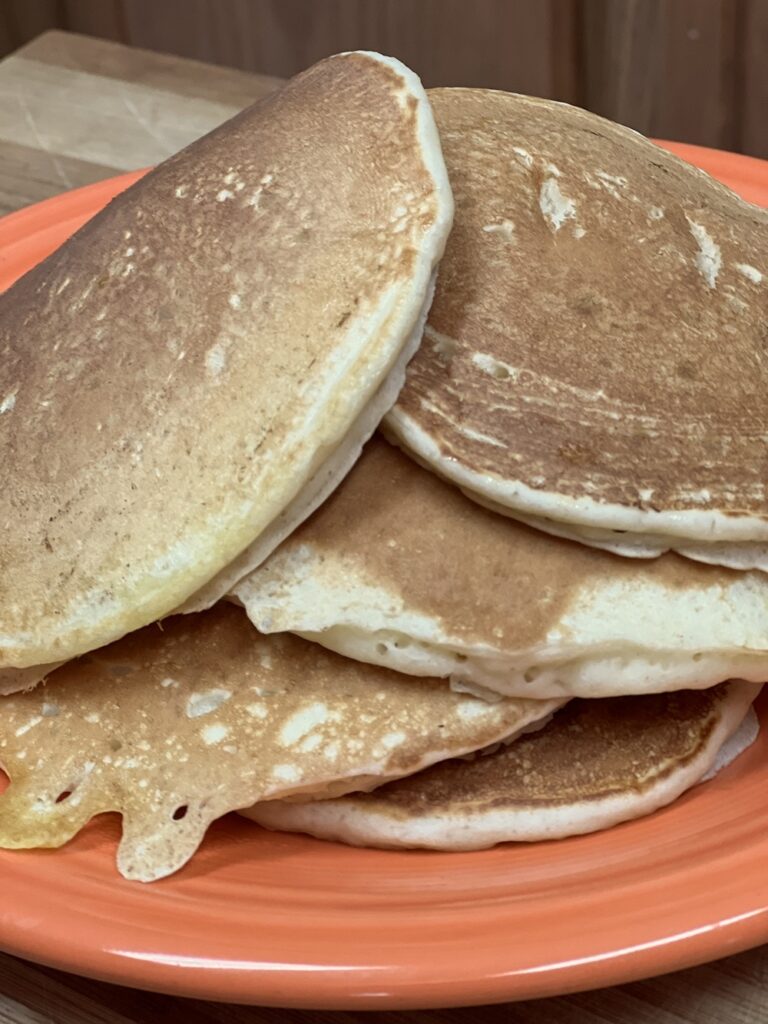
(400, 568)
(596, 349)
(595, 764)
(175, 727)
(179, 370)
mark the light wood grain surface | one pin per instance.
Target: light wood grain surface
(73, 111)
(692, 70)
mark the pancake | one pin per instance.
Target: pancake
(174, 727)
(594, 360)
(194, 370)
(400, 569)
(596, 764)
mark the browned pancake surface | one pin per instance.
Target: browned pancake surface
(590, 750)
(169, 377)
(590, 341)
(175, 726)
(488, 579)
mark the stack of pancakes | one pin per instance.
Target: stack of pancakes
(534, 604)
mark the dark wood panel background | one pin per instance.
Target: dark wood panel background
(695, 70)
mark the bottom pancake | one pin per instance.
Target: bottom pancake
(596, 764)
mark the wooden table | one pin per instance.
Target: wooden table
(72, 111)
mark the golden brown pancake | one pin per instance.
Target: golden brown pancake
(194, 370)
(597, 763)
(595, 359)
(172, 727)
(399, 568)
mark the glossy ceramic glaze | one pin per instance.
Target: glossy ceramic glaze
(287, 920)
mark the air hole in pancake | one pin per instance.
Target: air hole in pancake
(531, 674)
(115, 745)
(501, 373)
(698, 656)
(461, 657)
(381, 648)
(180, 812)
(62, 797)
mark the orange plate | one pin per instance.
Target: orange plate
(291, 921)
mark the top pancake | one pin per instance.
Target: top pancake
(175, 375)
(596, 349)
